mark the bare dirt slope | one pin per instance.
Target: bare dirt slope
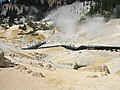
(62, 76)
(60, 79)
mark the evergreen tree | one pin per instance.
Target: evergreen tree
(5, 2)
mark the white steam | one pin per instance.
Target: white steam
(66, 19)
(93, 28)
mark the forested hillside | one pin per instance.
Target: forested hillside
(37, 9)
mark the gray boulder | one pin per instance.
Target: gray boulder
(1, 58)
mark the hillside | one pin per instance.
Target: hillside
(51, 53)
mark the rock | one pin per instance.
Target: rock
(8, 63)
(103, 69)
(1, 58)
(118, 73)
(37, 64)
(92, 76)
(16, 67)
(40, 65)
(40, 56)
(21, 67)
(12, 55)
(34, 64)
(48, 66)
(37, 74)
(29, 71)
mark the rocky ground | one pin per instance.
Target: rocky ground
(52, 68)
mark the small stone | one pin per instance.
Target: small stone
(16, 67)
(12, 55)
(30, 63)
(29, 71)
(103, 73)
(20, 67)
(118, 73)
(103, 69)
(52, 69)
(37, 74)
(49, 66)
(1, 58)
(92, 76)
(40, 65)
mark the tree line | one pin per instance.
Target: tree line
(103, 7)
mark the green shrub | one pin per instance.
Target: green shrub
(31, 24)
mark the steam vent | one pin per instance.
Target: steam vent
(59, 44)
